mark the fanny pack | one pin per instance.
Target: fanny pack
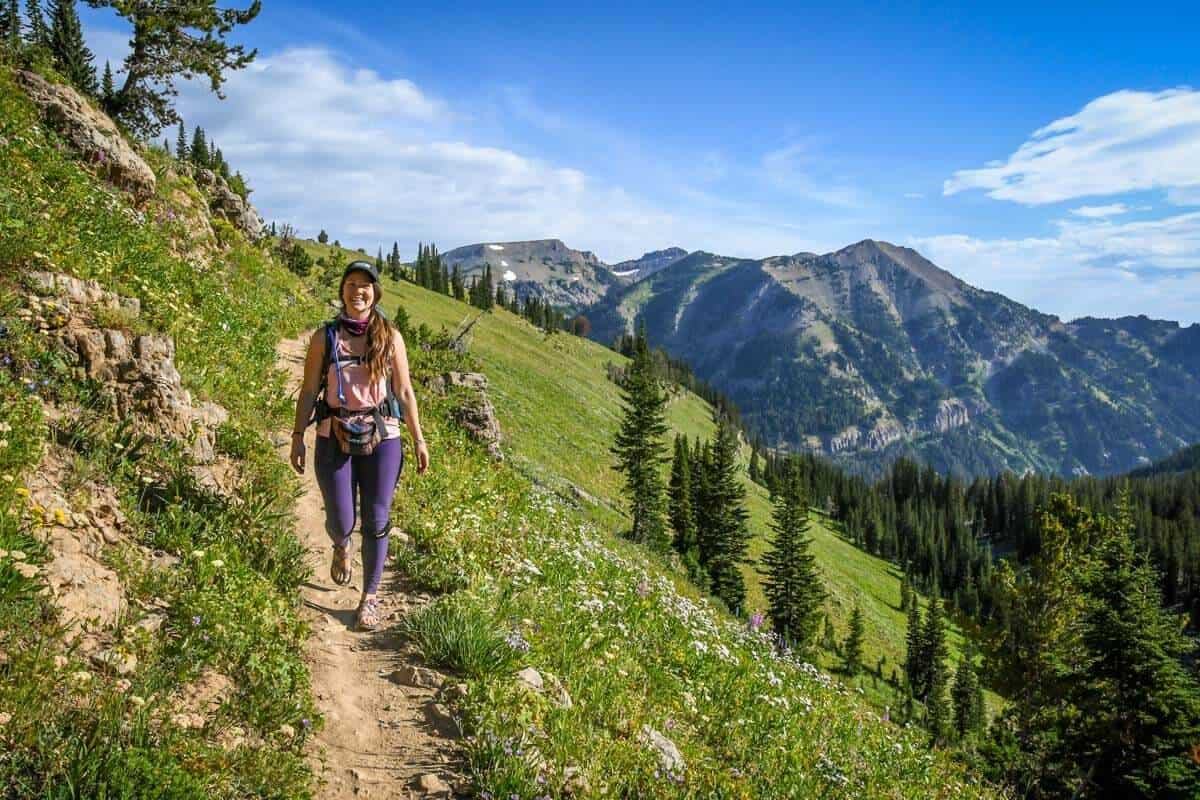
(358, 433)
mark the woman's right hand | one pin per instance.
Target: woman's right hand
(297, 455)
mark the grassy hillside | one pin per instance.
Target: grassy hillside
(559, 414)
(68, 727)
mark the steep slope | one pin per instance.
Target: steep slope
(545, 268)
(874, 352)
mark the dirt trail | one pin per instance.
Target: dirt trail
(380, 736)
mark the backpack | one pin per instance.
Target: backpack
(356, 432)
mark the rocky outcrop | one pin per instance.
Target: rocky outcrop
(476, 415)
(951, 413)
(92, 133)
(229, 204)
(137, 372)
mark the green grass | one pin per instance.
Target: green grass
(230, 604)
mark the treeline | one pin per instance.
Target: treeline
(203, 152)
(945, 534)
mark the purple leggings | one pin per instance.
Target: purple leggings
(374, 477)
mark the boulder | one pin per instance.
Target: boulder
(229, 204)
(478, 417)
(419, 677)
(669, 757)
(91, 133)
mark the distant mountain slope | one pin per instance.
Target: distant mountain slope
(874, 352)
(545, 268)
(1185, 460)
(639, 268)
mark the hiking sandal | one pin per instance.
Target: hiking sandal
(368, 614)
(341, 568)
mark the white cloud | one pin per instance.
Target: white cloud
(1122, 142)
(1100, 212)
(1094, 267)
(793, 169)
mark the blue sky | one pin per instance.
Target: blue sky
(1047, 151)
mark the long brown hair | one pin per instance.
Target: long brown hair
(380, 333)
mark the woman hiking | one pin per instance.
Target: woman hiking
(357, 389)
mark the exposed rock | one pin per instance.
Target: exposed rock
(229, 204)
(433, 786)
(91, 132)
(669, 756)
(138, 372)
(204, 695)
(562, 697)
(469, 380)
(116, 661)
(478, 417)
(531, 678)
(419, 677)
(951, 413)
(439, 716)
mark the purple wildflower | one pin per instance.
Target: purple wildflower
(756, 620)
(196, 621)
(643, 588)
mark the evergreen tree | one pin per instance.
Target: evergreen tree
(906, 593)
(10, 26)
(487, 290)
(1139, 703)
(71, 56)
(501, 299)
(724, 543)
(967, 696)
(852, 652)
(182, 149)
(639, 447)
(752, 471)
(683, 521)
(172, 39)
(37, 34)
(106, 97)
(934, 653)
(199, 151)
(456, 285)
(444, 283)
(792, 582)
(323, 237)
(914, 667)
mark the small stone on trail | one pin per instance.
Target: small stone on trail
(441, 719)
(419, 677)
(433, 786)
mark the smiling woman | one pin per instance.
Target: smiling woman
(357, 390)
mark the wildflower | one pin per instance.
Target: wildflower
(122, 685)
(305, 723)
(517, 642)
(643, 588)
(197, 554)
(196, 620)
(5, 427)
(218, 563)
(60, 661)
(60, 516)
(138, 700)
(5, 718)
(81, 677)
(6, 478)
(28, 570)
(22, 491)
(756, 620)
(3, 443)
(287, 731)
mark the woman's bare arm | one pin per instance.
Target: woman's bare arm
(402, 386)
(307, 398)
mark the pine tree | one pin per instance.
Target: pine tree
(444, 283)
(906, 593)
(71, 56)
(182, 149)
(683, 521)
(967, 696)
(106, 97)
(914, 668)
(792, 582)
(487, 289)
(752, 470)
(38, 35)
(323, 237)
(456, 285)
(639, 447)
(724, 543)
(172, 39)
(199, 151)
(1139, 703)
(10, 21)
(933, 659)
(852, 652)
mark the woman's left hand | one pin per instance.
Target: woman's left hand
(422, 458)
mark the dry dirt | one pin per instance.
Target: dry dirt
(380, 737)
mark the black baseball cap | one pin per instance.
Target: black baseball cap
(365, 266)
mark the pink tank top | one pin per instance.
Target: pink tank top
(360, 391)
